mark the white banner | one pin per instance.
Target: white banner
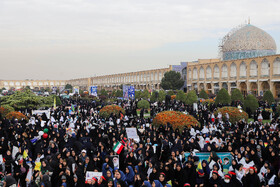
(132, 133)
(91, 174)
(41, 112)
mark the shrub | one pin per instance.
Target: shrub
(176, 119)
(106, 111)
(191, 97)
(15, 115)
(181, 96)
(223, 97)
(236, 95)
(235, 114)
(251, 104)
(5, 109)
(143, 104)
(203, 94)
(268, 97)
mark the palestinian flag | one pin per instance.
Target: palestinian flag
(118, 148)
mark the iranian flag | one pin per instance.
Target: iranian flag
(118, 148)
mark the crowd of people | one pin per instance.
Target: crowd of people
(60, 149)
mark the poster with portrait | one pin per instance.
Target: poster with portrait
(91, 174)
(115, 160)
(93, 90)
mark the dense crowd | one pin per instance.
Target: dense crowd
(61, 149)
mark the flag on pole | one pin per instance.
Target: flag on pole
(54, 102)
(118, 148)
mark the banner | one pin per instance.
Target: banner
(41, 112)
(224, 156)
(93, 90)
(76, 90)
(132, 134)
(91, 174)
(128, 92)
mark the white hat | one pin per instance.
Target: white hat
(84, 151)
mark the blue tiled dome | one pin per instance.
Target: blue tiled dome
(248, 42)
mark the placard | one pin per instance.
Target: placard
(132, 133)
(91, 174)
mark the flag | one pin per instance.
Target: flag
(118, 148)
(72, 107)
(54, 102)
(265, 144)
(25, 155)
(199, 166)
(121, 116)
(34, 140)
(37, 166)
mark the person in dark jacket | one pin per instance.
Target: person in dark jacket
(215, 180)
(179, 176)
(251, 179)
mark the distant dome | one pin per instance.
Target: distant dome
(247, 42)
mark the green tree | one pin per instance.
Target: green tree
(172, 81)
(203, 94)
(223, 97)
(114, 93)
(138, 94)
(251, 104)
(154, 96)
(145, 94)
(103, 92)
(191, 97)
(68, 87)
(119, 93)
(143, 104)
(268, 97)
(161, 95)
(181, 96)
(236, 95)
(170, 92)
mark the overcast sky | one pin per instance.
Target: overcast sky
(65, 39)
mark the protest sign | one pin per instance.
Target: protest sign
(132, 134)
(91, 174)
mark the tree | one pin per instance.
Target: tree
(119, 93)
(251, 104)
(138, 94)
(161, 95)
(143, 104)
(203, 94)
(236, 95)
(268, 97)
(154, 96)
(223, 97)
(191, 97)
(68, 87)
(170, 92)
(103, 92)
(145, 94)
(172, 81)
(181, 96)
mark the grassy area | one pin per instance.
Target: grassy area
(146, 115)
(264, 121)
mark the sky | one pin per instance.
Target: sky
(66, 39)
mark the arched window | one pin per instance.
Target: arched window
(208, 72)
(265, 67)
(216, 72)
(253, 69)
(224, 71)
(243, 70)
(184, 73)
(190, 74)
(201, 73)
(276, 66)
(194, 73)
(233, 70)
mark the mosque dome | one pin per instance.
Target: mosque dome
(247, 42)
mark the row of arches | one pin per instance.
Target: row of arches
(245, 88)
(224, 72)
